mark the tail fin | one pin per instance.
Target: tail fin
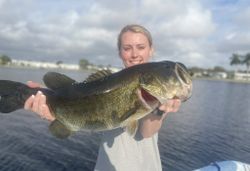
(13, 95)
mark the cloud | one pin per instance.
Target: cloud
(180, 29)
(242, 17)
(234, 34)
(202, 33)
(191, 25)
(1, 3)
(238, 42)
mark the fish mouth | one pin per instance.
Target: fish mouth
(186, 80)
(148, 99)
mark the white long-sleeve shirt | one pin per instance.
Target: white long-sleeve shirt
(121, 152)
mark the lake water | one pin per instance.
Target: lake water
(214, 125)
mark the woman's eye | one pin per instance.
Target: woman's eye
(126, 48)
(141, 47)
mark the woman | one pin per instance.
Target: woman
(119, 150)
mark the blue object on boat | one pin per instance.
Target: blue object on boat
(226, 166)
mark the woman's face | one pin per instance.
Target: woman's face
(135, 49)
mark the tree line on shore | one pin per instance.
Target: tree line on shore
(235, 59)
(83, 63)
(4, 59)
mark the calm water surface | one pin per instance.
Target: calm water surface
(213, 125)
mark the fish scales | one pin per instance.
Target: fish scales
(104, 100)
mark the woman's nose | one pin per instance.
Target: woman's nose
(134, 53)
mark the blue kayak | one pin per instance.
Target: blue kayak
(226, 166)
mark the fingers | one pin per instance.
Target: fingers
(171, 106)
(29, 102)
(37, 102)
(46, 113)
(38, 105)
(43, 108)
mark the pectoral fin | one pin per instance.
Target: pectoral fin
(59, 130)
(54, 80)
(132, 127)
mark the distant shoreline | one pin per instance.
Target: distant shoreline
(93, 70)
(40, 68)
(50, 65)
(225, 80)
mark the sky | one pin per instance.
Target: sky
(201, 33)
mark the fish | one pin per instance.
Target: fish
(104, 100)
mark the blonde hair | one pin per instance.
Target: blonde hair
(135, 29)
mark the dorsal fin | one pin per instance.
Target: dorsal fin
(54, 80)
(98, 75)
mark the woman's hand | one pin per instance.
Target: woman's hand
(170, 106)
(37, 103)
(152, 123)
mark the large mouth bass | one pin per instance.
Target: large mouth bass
(104, 100)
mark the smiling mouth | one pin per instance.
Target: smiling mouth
(136, 62)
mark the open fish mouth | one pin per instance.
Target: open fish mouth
(148, 99)
(183, 92)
